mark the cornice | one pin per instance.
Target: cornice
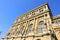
(55, 17)
(32, 12)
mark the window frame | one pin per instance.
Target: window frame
(30, 29)
(41, 26)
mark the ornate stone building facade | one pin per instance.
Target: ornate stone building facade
(37, 24)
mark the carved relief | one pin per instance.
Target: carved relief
(37, 12)
(28, 15)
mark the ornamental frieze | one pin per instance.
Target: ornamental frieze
(34, 12)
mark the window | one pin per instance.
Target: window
(30, 28)
(58, 23)
(41, 10)
(45, 14)
(38, 39)
(41, 25)
(8, 34)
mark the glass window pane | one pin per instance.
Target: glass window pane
(30, 28)
(41, 25)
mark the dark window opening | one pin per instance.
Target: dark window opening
(45, 14)
(38, 39)
(8, 34)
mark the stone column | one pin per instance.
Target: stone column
(33, 26)
(36, 25)
(26, 27)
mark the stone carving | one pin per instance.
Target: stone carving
(34, 12)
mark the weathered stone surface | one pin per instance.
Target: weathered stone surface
(37, 24)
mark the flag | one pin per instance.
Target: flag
(22, 30)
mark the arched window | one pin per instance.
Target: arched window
(30, 28)
(41, 26)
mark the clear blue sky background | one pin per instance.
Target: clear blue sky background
(11, 9)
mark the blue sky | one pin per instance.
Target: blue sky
(11, 9)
